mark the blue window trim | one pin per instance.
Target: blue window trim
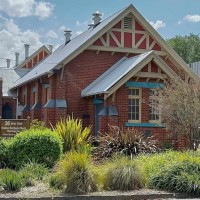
(144, 84)
(144, 125)
(46, 85)
(97, 101)
(34, 89)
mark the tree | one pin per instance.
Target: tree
(188, 47)
(179, 106)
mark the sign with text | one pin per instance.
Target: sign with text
(9, 127)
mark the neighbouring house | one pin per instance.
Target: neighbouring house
(195, 66)
(106, 75)
(10, 106)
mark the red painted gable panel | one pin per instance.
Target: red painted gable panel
(128, 40)
(30, 64)
(117, 35)
(45, 54)
(40, 55)
(138, 37)
(156, 47)
(98, 43)
(35, 60)
(143, 44)
(154, 67)
(104, 36)
(138, 27)
(145, 69)
(118, 25)
(112, 42)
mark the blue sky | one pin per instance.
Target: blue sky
(40, 22)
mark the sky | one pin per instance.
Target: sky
(39, 22)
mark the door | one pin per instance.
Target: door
(98, 108)
(7, 112)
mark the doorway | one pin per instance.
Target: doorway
(7, 112)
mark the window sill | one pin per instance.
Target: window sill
(128, 124)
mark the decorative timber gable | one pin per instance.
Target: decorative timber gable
(127, 33)
(35, 58)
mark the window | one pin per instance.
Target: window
(134, 105)
(154, 116)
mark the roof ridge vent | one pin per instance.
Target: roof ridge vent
(128, 23)
(97, 18)
(8, 62)
(67, 35)
(26, 46)
(16, 58)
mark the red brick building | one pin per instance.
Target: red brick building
(103, 76)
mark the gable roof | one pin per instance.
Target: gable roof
(66, 53)
(42, 48)
(122, 71)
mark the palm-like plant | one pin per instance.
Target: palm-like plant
(73, 135)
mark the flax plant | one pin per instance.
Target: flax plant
(72, 133)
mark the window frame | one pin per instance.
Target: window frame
(140, 104)
(154, 97)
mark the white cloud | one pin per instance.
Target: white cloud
(12, 27)
(17, 8)
(43, 9)
(51, 34)
(78, 23)
(158, 24)
(12, 39)
(24, 8)
(62, 28)
(192, 18)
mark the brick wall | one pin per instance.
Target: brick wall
(78, 74)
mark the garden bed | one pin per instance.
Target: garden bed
(41, 190)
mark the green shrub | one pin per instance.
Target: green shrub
(57, 181)
(75, 168)
(122, 174)
(154, 163)
(10, 180)
(44, 147)
(3, 152)
(33, 171)
(182, 177)
(36, 124)
(73, 135)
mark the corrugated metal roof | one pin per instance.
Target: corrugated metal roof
(104, 82)
(64, 51)
(195, 67)
(9, 76)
